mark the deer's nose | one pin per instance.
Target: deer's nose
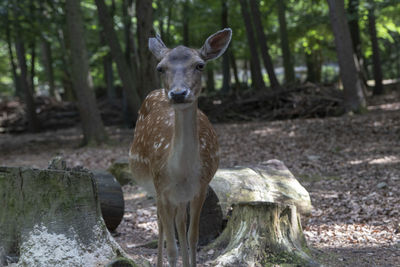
(178, 95)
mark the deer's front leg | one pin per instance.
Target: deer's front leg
(195, 209)
(167, 214)
(180, 221)
(160, 240)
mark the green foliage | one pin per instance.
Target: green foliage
(308, 25)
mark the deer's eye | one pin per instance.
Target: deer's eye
(200, 66)
(160, 69)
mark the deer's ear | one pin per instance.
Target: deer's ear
(157, 47)
(216, 44)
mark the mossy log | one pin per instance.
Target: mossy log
(52, 218)
(262, 234)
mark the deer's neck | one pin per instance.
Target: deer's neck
(185, 140)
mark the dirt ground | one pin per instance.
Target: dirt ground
(350, 165)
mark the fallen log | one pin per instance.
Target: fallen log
(52, 218)
(111, 199)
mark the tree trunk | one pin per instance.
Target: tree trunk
(256, 75)
(69, 94)
(376, 61)
(352, 10)
(108, 72)
(16, 77)
(314, 65)
(226, 74)
(92, 126)
(235, 69)
(55, 212)
(169, 14)
(127, 76)
(30, 107)
(210, 83)
(147, 70)
(354, 99)
(185, 22)
(287, 57)
(32, 63)
(48, 67)
(262, 41)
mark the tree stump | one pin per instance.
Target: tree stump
(52, 218)
(262, 234)
(268, 182)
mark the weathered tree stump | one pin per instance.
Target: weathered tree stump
(111, 199)
(262, 234)
(52, 218)
(267, 182)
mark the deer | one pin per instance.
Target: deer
(175, 153)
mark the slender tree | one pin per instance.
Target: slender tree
(376, 60)
(148, 78)
(185, 22)
(256, 75)
(354, 99)
(28, 94)
(127, 76)
(287, 56)
(93, 129)
(226, 74)
(16, 77)
(262, 41)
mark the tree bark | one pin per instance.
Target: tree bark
(50, 211)
(262, 41)
(314, 65)
(256, 75)
(354, 27)
(30, 107)
(226, 74)
(262, 234)
(16, 77)
(127, 76)
(210, 83)
(287, 57)
(48, 67)
(354, 99)
(185, 22)
(376, 60)
(92, 126)
(235, 69)
(147, 69)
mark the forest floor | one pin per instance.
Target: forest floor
(350, 165)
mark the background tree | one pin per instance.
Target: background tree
(376, 61)
(256, 75)
(287, 56)
(92, 126)
(354, 99)
(262, 41)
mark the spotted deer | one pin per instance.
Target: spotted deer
(175, 154)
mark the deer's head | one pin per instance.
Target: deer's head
(181, 67)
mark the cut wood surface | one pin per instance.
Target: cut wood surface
(52, 218)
